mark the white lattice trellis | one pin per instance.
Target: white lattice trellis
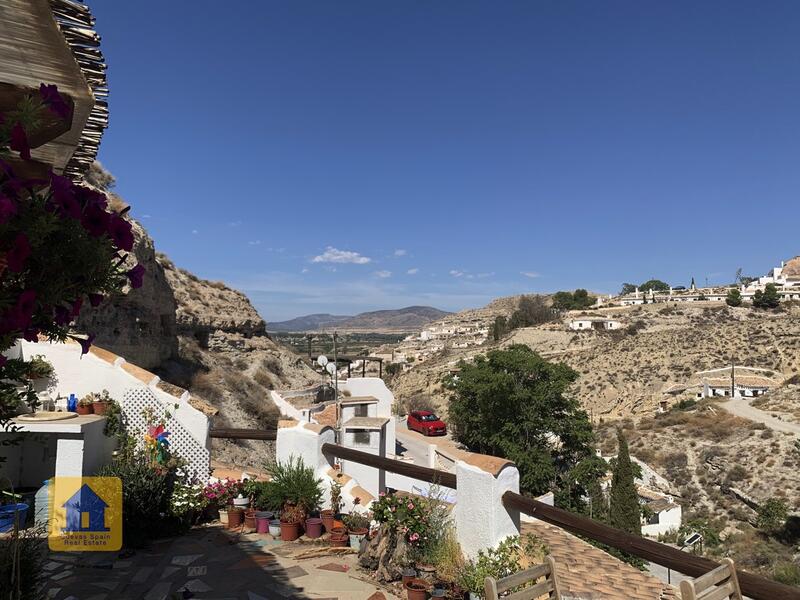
(134, 404)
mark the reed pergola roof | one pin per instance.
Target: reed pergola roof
(52, 41)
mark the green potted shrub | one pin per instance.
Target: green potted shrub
(357, 527)
(101, 402)
(39, 368)
(291, 517)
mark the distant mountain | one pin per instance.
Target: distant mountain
(402, 319)
(308, 322)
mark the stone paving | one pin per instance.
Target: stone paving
(210, 563)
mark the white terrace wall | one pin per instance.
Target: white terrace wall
(375, 387)
(481, 520)
(134, 388)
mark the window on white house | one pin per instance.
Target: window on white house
(361, 437)
(362, 410)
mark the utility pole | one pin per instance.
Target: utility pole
(733, 379)
(336, 390)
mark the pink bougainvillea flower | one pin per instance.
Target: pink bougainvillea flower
(31, 334)
(62, 315)
(54, 101)
(19, 253)
(121, 232)
(136, 276)
(89, 197)
(95, 220)
(63, 200)
(7, 208)
(86, 343)
(19, 141)
(96, 299)
(76, 307)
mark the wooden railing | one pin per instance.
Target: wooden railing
(442, 478)
(243, 434)
(754, 586)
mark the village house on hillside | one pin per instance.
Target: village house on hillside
(589, 323)
(731, 381)
(786, 278)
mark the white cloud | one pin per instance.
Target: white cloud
(254, 243)
(531, 274)
(334, 255)
(234, 223)
(195, 232)
(400, 252)
(456, 273)
(383, 274)
(484, 275)
(147, 216)
(413, 271)
(304, 270)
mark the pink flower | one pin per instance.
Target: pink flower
(413, 537)
(19, 253)
(76, 307)
(86, 343)
(19, 141)
(7, 208)
(410, 506)
(121, 232)
(136, 276)
(54, 101)
(95, 220)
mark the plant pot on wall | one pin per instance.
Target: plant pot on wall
(84, 409)
(100, 407)
(417, 589)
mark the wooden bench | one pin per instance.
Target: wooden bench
(547, 588)
(719, 584)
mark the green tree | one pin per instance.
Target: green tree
(532, 310)
(577, 300)
(624, 512)
(627, 288)
(499, 328)
(514, 404)
(769, 298)
(734, 298)
(772, 515)
(654, 284)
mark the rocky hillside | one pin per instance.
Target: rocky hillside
(203, 336)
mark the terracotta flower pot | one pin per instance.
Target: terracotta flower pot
(84, 409)
(235, 516)
(339, 530)
(426, 572)
(289, 531)
(100, 407)
(417, 589)
(339, 540)
(327, 519)
(250, 519)
(408, 574)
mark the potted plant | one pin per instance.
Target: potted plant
(329, 515)
(235, 514)
(408, 573)
(39, 368)
(291, 517)
(101, 402)
(292, 482)
(357, 527)
(417, 589)
(84, 406)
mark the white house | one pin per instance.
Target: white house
(594, 323)
(665, 513)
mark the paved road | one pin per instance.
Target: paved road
(741, 408)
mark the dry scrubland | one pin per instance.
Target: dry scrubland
(623, 373)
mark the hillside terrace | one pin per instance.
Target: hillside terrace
(480, 484)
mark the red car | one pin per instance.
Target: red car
(426, 423)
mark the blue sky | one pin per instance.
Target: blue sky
(348, 156)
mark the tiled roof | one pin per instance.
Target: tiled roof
(585, 570)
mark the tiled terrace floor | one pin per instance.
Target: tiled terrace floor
(208, 562)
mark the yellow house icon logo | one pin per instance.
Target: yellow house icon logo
(85, 514)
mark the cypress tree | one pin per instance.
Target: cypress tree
(624, 512)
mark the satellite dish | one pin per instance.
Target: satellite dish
(331, 368)
(322, 360)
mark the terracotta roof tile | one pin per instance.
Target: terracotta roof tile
(586, 570)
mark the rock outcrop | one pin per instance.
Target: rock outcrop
(139, 324)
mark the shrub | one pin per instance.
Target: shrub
(146, 494)
(262, 378)
(787, 573)
(737, 473)
(419, 402)
(496, 562)
(293, 482)
(25, 551)
(772, 515)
